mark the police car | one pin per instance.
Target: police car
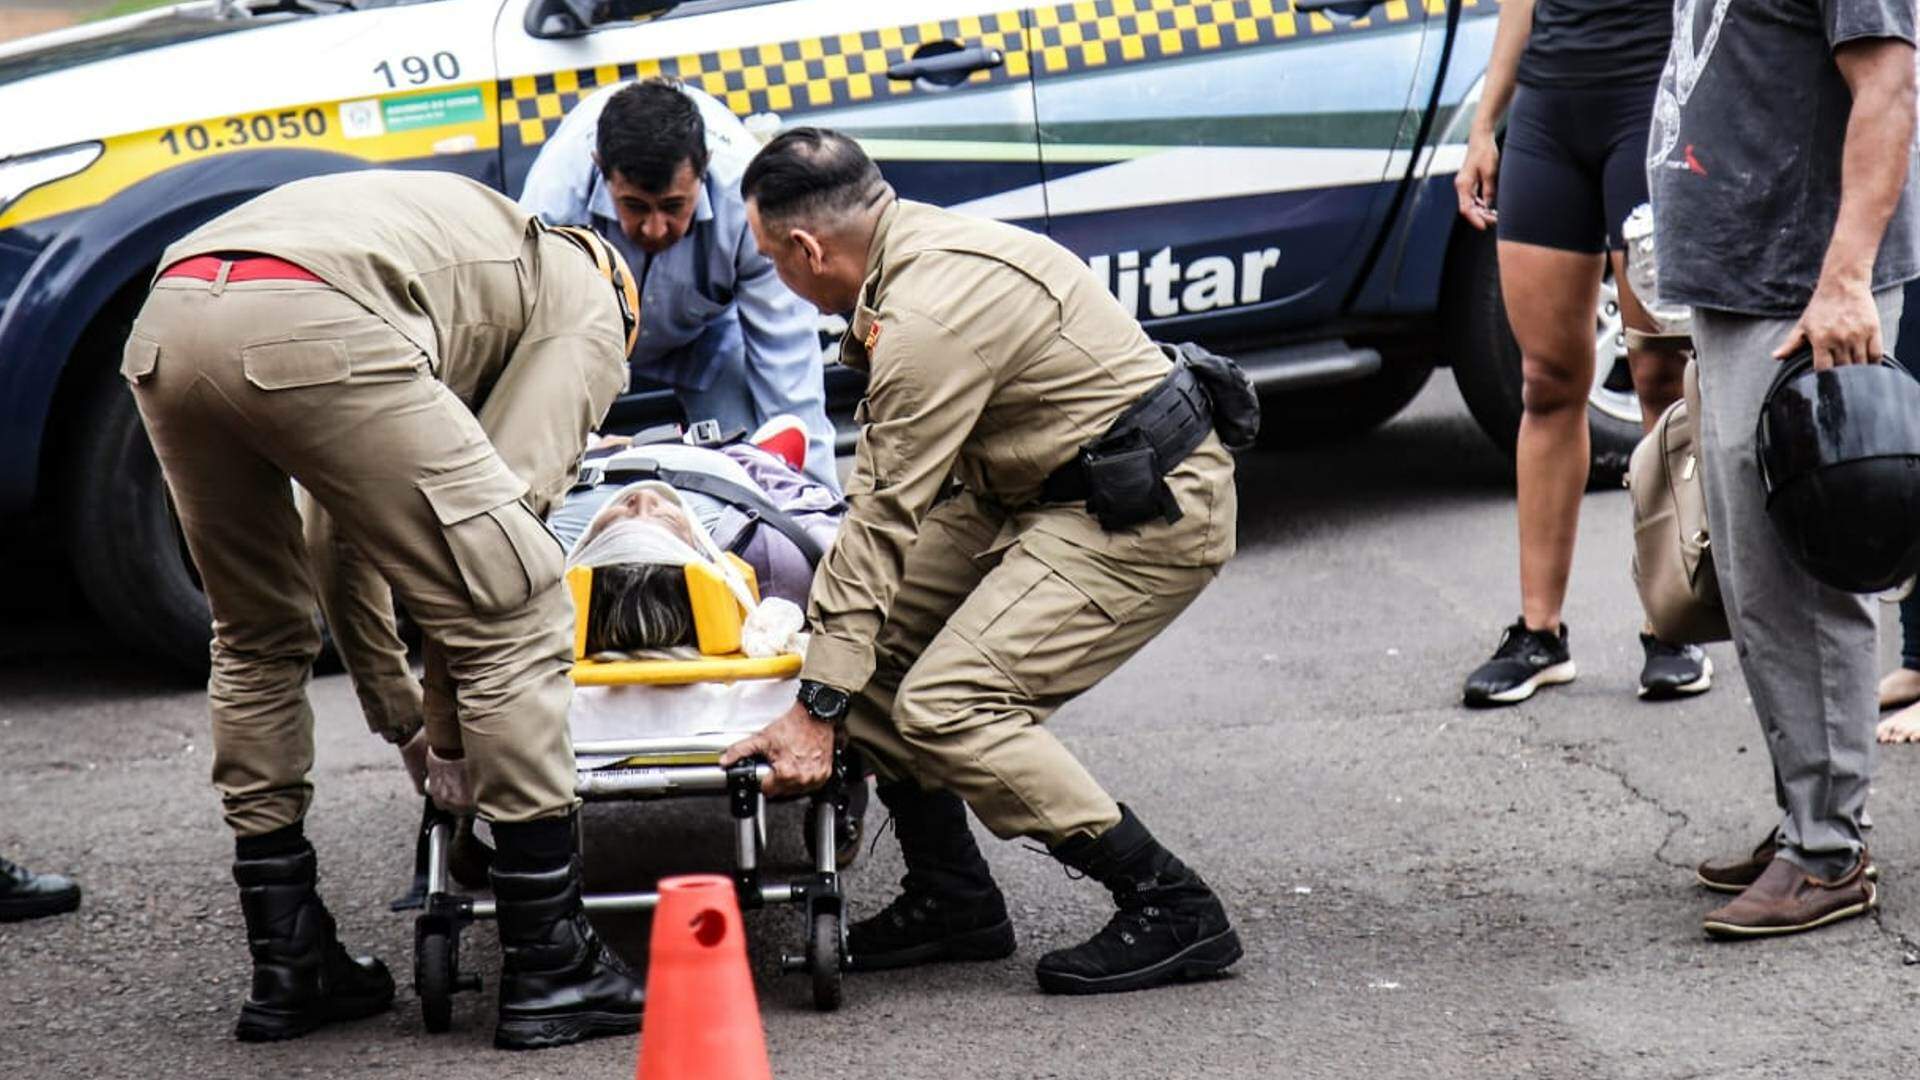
(1270, 177)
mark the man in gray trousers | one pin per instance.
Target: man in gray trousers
(1782, 169)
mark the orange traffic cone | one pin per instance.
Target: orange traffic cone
(703, 1022)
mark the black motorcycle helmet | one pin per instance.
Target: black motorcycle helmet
(1840, 459)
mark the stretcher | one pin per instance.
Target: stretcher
(654, 729)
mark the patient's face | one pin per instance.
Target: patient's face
(650, 506)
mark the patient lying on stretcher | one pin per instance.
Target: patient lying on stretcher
(643, 514)
(636, 514)
(635, 510)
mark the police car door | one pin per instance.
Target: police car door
(1226, 162)
(937, 90)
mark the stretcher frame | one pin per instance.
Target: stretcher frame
(650, 769)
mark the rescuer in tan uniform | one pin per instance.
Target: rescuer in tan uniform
(343, 332)
(946, 630)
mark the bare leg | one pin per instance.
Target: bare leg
(1550, 302)
(1659, 374)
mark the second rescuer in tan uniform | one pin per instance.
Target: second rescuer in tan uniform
(958, 624)
(349, 332)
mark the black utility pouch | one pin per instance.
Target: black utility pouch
(1236, 405)
(1125, 488)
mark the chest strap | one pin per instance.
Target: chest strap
(754, 505)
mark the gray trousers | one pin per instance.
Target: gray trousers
(1810, 653)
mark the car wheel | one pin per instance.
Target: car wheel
(1295, 418)
(128, 554)
(1486, 361)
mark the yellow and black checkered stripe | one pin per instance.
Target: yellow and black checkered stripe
(782, 77)
(1077, 37)
(851, 68)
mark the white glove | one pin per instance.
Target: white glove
(413, 754)
(447, 783)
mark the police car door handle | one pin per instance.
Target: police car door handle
(947, 68)
(1353, 9)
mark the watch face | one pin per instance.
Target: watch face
(827, 702)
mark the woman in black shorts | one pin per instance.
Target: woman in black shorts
(1574, 167)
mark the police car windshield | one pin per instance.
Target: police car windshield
(140, 37)
(66, 49)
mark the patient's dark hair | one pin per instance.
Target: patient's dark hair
(647, 130)
(638, 606)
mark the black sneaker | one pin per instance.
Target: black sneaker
(1673, 671)
(27, 895)
(1525, 661)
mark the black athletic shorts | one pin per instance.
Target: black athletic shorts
(1574, 165)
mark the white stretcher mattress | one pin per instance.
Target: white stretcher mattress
(696, 718)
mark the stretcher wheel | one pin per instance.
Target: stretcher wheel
(825, 959)
(433, 975)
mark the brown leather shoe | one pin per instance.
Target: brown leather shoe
(1732, 874)
(1786, 900)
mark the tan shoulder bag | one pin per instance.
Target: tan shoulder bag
(1672, 556)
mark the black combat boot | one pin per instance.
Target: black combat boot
(948, 908)
(558, 984)
(302, 976)
(27, 895)
(1170, 926)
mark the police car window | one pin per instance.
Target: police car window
(654, 13)
(707, 7)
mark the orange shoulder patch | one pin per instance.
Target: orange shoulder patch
(873, 335)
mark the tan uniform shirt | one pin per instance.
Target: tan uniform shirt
(451, 264)
(993, 356)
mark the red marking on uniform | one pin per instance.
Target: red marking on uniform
(245, 268)
(1693, 163)
(873, 335)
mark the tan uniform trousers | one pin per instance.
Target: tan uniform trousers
(997, 624)
(357, 604)
(532, 417)
(244, 386)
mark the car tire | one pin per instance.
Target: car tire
(1322, 414)
(127, 551)
(1486, 361)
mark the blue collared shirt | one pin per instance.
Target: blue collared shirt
(711, 293)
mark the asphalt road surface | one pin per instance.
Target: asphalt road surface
(1423, 891)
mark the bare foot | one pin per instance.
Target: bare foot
(1901, 727)
(1899, 688)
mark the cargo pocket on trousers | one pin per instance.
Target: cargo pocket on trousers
(505, 554)
(139, 359)
(1029, 622)
(290, 365)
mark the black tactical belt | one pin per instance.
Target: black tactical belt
(1121, 476)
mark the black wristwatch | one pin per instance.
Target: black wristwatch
(823, 702)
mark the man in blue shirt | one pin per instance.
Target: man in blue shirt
(655, 168)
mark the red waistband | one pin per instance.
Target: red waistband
(245, 268)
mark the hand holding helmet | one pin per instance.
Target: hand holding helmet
(1841, 326)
